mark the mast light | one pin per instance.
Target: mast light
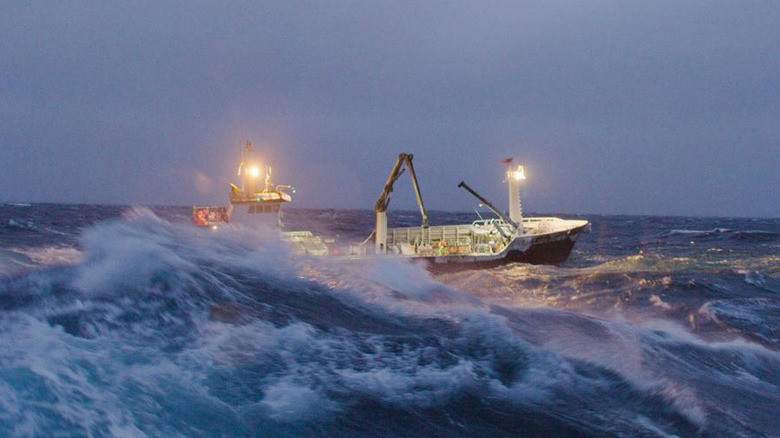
(519, 173)
(254, 171)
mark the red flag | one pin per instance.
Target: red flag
(506, 161)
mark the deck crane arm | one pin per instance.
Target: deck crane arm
(384, 199)
(490, 206)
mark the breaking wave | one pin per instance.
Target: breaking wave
(162, 330)
(729, 234)
(699, 232)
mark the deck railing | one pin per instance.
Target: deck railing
(444, 240)
(463, 239)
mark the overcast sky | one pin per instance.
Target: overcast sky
(664, 108)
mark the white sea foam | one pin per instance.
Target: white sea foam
(22, 224)
(753, 277)
(700, 232)
(12, 261)
(51, 256)
(287, 401)
(658, 302)
(139, 260)
(653, 427)
(171, 367)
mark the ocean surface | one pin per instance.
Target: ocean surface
(129, 322)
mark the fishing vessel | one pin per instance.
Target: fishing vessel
(481, 243)
(258, 205)
(251, 204)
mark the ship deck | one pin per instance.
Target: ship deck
(481, 238)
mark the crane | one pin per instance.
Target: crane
(383, 202)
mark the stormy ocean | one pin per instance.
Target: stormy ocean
(129, 322)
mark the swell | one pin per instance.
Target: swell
(726, 234)
(162, 329)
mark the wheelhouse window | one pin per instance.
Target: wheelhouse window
(266, 208)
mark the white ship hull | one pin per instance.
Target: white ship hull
(544, 241)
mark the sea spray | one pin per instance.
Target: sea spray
(160, 329)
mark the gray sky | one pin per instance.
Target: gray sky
(661, 107)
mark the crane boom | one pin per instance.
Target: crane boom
(488, 204)
(384, 198)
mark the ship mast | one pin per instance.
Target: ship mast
(513, 177)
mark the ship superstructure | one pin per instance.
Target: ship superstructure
(256, 203)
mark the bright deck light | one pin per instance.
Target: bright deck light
(518, 174)
(254, 171)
